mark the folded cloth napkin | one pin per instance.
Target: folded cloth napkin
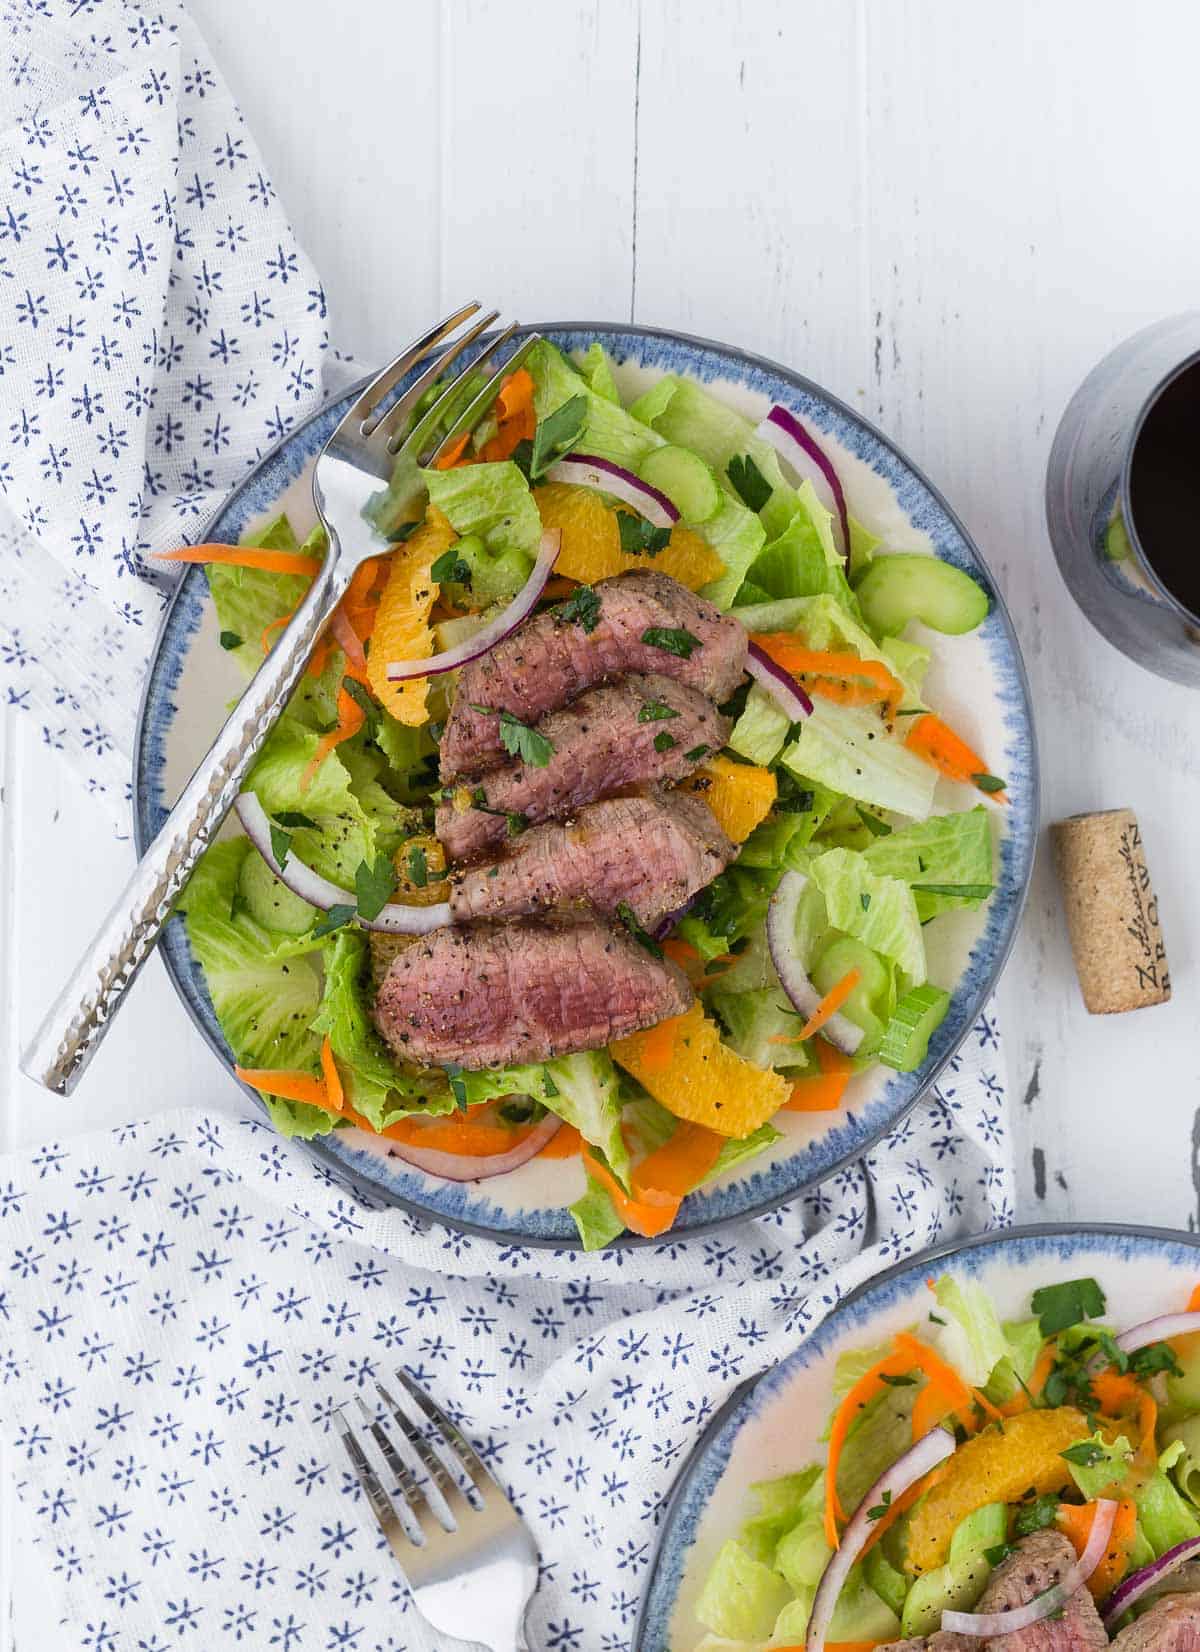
(186, 1301)
(160, 328)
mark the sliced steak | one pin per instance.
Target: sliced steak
(551, 660)
(651, 853)
(486, 994)
(1038, 1563)
(940, 1641)
(601, 743)
(1172, 1624)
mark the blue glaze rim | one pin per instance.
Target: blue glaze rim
(700, 1475)
(465, 1206)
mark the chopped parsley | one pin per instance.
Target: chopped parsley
(880, 1508)
(656, 711)
(629, 918)
(582, 608)
(639, 537)
(989, 782)
(696, 753)
(1058, 1307)
(1155, 1356)
(876, 827)
(748, 481)
(519, 740)
(672, 639)
(865, 901)
(457, 1088)
(999, 1552)
(967, 891)
(230, 639)
(281, 845)
(1086, 1454)
(336, 918)
(664, 741)
(898, 1382)
(374, 886)
(360, 696)
(418, 870)
(293, 818)
(450, 568)
(1036, 1515)
(556, 434)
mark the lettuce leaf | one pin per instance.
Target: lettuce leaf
(247, 599)
(265, 994)
(879, 911)
(596, 1218)
(1109, 1465)
(596, 369)
(954, 848)
(490, 501)
(847, 749)
(344, 834)
(741, 1598)
(972, 1339)
(761, 731)
(376, 1085)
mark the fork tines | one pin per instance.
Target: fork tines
(440, 1476)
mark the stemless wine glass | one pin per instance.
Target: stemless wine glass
(1115, 571)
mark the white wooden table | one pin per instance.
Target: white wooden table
(943, 211)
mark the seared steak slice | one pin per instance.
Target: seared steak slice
(1038, 1563)
(486, 995)
(651, 853)
(940, 1641)
(551, 660)
(611, 737)
(1172, 1624)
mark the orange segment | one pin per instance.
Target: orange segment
(704, 1081)
(402, 629)
(741, 795)
(591, 541)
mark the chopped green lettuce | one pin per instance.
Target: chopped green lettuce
(945, 849)
(1097, 1464)
(1184, 1439)
(754, 1020)
(344, 834)
(803, 559)
(760, 732)
(1023, 1341)
(736, 534)
(596, 368)
(879, 911)
(247, 600)
(489, 501)
(584, 1090)
(848, 749)
(972, 1339)
(264, 1003)
(741, 1598)
(376, 1085)
(595, 1217)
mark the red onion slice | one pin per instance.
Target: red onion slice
(1157, 1330)
(806, 457)
(585, 470)
(522, 605)
(467, 1167)
(987, 1625)
(318, 891)
(1140, 1583)
(841, 1032)
(779, 684)
(930, 1450)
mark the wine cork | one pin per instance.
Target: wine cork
(1112, 912)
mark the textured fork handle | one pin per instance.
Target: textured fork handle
(81, 1015)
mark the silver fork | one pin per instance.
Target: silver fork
(362, 452)
(467, 1556)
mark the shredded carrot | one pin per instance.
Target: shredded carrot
(823, 1094)
(453, 456)
(649, 1216)
(825, 1010)
(517, 419)
(818, 666)
(937, 743)
(1193, 1305)
(855, 1400)
(361, 601)
(350, 719)
(679, 1164)
(1074, 1520)
(269, 630)
(564, 1144)
(292, 1086)
(245, 556)
(658, 1044)
(458, 1134)
(351, 646)
(335, 1095)
(901, 1505)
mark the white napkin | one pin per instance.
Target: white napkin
(188, 1299)
(160, 328)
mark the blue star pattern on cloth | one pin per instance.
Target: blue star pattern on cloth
(186, 1301)
(161, 329)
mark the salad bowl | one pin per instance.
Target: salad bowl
(977, 679)
(776, 1425)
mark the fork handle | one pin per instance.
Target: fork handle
(81, 1015)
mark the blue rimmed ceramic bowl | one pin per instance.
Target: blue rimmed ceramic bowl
(978, 681)
(771, 1427)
